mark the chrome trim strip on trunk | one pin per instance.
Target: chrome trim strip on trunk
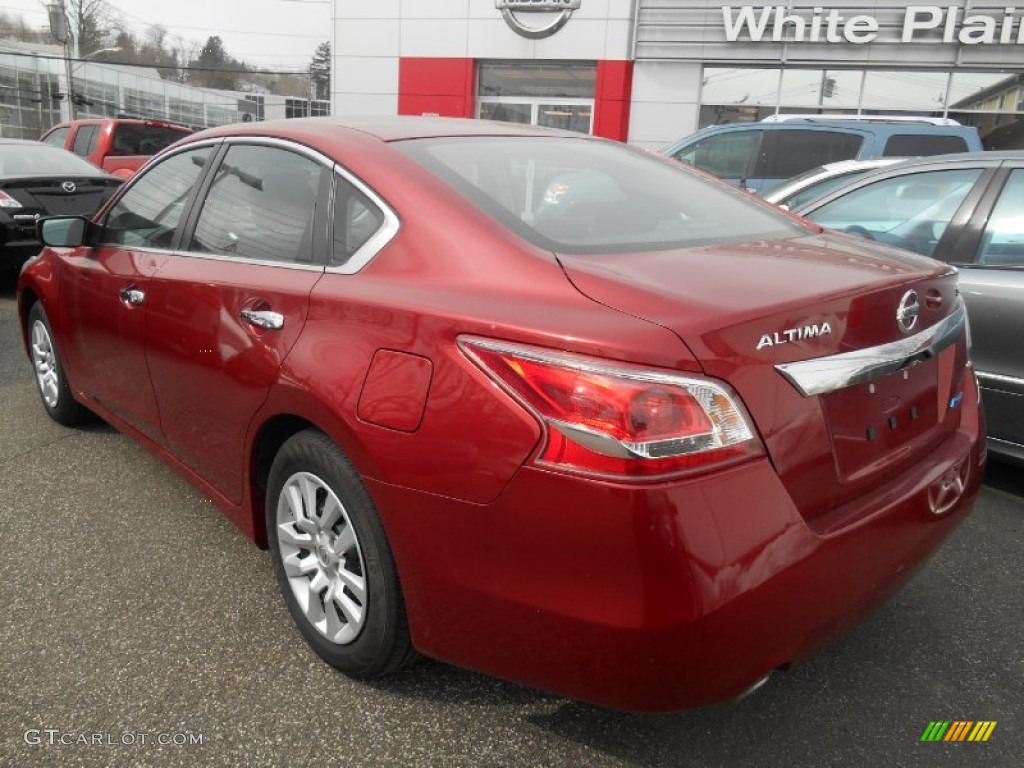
(827, 374)
(999, 378)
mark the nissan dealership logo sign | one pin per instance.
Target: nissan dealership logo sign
(536, 19)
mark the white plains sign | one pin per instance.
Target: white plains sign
(921, 23)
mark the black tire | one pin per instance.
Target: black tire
(378, 642)
(55, 394)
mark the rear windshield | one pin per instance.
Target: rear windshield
(42, 160)
(586, 196)
(143, 139)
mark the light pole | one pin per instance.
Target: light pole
(71, 76)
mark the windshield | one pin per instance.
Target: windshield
(42, 160)
(586, 196)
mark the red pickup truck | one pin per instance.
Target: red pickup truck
(118, 146)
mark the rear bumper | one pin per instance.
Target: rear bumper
(661, 597)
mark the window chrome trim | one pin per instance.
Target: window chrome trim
(243, 260)
(827, 374)
(375, 244)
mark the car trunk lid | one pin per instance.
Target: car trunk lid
(747, 310)
(59, 195)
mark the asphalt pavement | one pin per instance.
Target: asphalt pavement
(139, 627)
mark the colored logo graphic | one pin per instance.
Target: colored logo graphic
(958, 730)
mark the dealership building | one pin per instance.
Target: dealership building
(650, 71)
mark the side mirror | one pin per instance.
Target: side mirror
(63, 231)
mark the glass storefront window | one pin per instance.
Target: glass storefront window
(993, 102)
(566, 79)
(551, 94)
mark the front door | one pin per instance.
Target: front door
(106, 288)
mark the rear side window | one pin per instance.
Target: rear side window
(143, 139)
(786, 153)
(919, 145)
(58, 137)
(1003, 241)
(85, 139)
(728, 155)
(356, 220)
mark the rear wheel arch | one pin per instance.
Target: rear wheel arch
(26, 301)
(272, 434)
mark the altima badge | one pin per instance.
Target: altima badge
(793, 334)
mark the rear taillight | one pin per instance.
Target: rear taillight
(617, 419)
(6, 201)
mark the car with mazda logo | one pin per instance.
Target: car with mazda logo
(501, 396)
(37, 180)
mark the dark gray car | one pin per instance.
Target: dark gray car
(968, 210)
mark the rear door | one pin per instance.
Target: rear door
(787, 152)
(990, 256)
(104, 290)
(226, 308)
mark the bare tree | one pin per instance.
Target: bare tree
(92, 24)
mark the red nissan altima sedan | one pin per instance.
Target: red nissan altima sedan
(530, 402)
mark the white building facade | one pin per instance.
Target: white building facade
(650, 71)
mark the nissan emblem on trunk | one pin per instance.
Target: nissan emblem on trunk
(68, 186)
(908, 311)
(563, 8)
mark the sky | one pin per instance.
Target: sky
(272, 34)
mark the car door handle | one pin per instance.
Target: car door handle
(263, 318)
(132, 296)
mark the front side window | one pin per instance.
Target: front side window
(728, 156)
(1003, 241)
(261, 206)
(148, 213)
(911, 211)
(586, 196)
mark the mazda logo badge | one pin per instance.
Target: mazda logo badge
(563, 8)
(908, 312)
(68, 186)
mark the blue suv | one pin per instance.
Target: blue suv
(758, 156)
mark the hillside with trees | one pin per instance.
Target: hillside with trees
(207, 65)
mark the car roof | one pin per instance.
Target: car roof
(966, 157)
(25, 143)
(385, 128)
